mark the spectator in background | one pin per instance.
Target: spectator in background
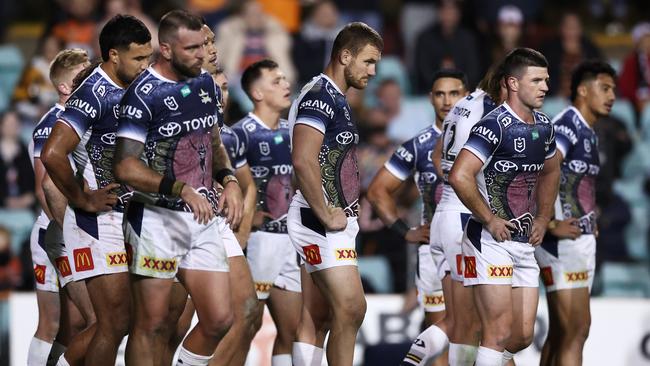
(130, 7)
(16, 175)
(10, 278)
(445, 45)
(34, 94)
(366, 11)
(509, 32)
(313, 44)
(250, 36)
(77, 27)
(565, 51)
(634, 81)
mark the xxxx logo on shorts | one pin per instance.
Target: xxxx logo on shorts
(547, 276)
(312, 254)
(434, 299)
(39, 273)
(576, 276)
(116, 259)
(63, 265)
(83, 259)
(470, 267)
(500, 271)
(263, 286)
(344, 254)
(160, 265)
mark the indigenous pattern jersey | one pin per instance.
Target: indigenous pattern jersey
(230, 142)
(39, 137)
(513, 154)
(456, 127)
(175, 121)
(92, 111)
(414, 155)
(268, 154)
(324, 107)
(577, 142)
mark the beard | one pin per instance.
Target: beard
(125, 77)
(185, 70)
(351, 80)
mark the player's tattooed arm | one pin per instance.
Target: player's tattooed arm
(131, 170)
(220, 159)
(231, 201)
(61, 142)
(245, 178)
(463, 179)
(547, 188)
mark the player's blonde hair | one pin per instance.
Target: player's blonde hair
(64, 62)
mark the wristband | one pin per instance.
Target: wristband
(399, 227)
(227, 179)
(166, 185)
(552, 224)
(221, 174)
(177, 188)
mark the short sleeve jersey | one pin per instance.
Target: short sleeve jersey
(175, 121)
(323, 106)
(267, 153)
(92, 112)
(230, 142)
(39, 137)
(414, 157)
(456, 127)
(578, 143)
(513, 153)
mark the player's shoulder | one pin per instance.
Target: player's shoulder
(541, 117)
(426, 136)
(245, 125)
(321, 88)
(149, 85)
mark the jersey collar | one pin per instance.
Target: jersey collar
(105, 76)
(332, 82)
(580, 117)
(516, 115)
(259, 121)
(157, 75)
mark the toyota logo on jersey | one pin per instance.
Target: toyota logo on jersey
(170, 129)
(345, 138)
(504, 166)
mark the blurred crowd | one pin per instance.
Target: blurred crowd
(421, 37)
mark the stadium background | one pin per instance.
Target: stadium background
(420, 37)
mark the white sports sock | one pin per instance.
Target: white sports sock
(507, 356)
(305, 354)
(429, 345)
(57, 350)
(62, 361)
(281, 360)
(488, 357)
(462, 354)
(187, 358)
(38, 352)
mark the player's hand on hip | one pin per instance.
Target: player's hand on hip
(500, 228)
(567, 229)
(336, 220)
(99, 200)
(419, 235)
(201, 208)
(538, 231)
(232, 202)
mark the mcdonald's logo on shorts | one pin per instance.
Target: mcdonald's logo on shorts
(117, 259)
(63, 265)
(83, 260)
(312, 254)
(500, 271)
(547, 276)
(39, 273)
(345, 254)
(470, 267)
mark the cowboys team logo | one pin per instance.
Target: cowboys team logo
(265, 149)
(520, 144)
(205, 97)
(170, 102)
(587, 145)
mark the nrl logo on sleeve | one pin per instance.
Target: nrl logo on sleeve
(170, 102)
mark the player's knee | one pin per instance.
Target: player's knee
(217, 324)
(520, 342)
(353, 312)
(579, 329)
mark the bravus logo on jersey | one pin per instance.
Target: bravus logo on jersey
(82, 106)
(486, 133)
(318, 105)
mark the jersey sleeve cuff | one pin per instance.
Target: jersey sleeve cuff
(240, 163)
(79, 133)
(131, 136)
(551, 154)
(395, 171)
(312, 122)
(477, 153)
